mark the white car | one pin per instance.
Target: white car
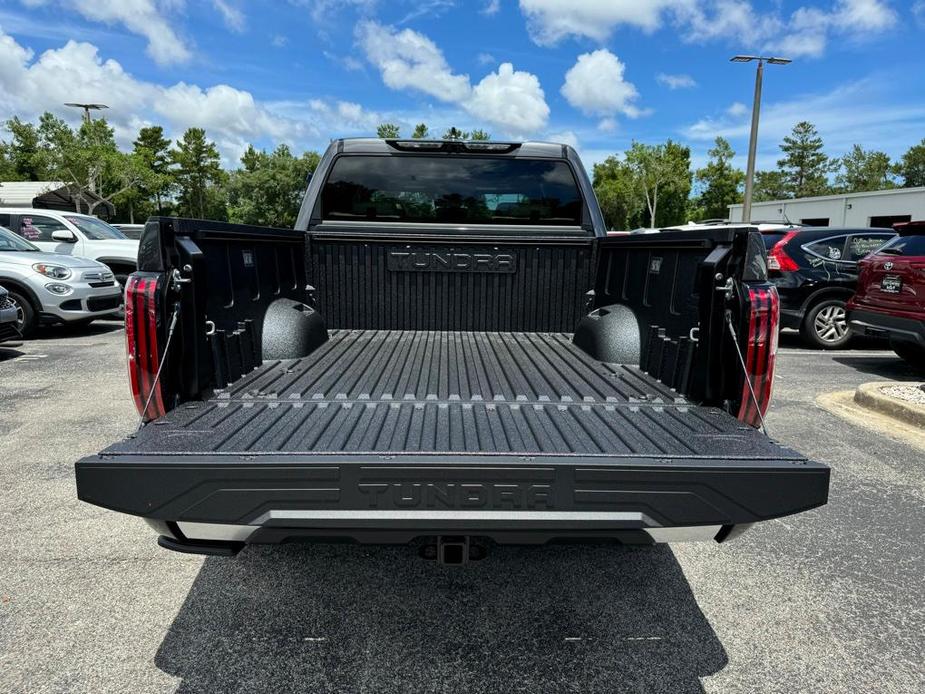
(74, 234)
(54, 289)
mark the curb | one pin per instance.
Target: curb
(868, 395)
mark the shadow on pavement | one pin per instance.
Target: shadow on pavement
(889, 366)
(9, 351)
(351, 619)
(56, 332)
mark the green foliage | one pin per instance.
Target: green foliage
(863, 170)
(199, 176)
(805, 165)
(617, 193)
(479, 134)
(719, 182)
(388, 130)
(911, 168)
(421, 132)
(663, 175)
(769, 185)
(268, 189)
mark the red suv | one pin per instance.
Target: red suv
(890, 298)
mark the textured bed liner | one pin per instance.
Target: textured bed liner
(471, 393)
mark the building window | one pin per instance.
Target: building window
(815, 222)
(887, 221)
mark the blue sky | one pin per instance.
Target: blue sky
(595, 73)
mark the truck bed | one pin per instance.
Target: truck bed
(387, 436)
(473, 393)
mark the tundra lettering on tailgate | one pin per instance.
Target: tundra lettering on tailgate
(457, 495)
(451, 261)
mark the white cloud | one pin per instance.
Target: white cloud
(595, 85)
(488, 58)
(737, 109)
(490, 8)
(550, 21)
(323, 11)
(805, 32)
(279, 41)
(406, 59)
(676, 81)
(77, 72)
(143, 17)
(409, 60)
(511, 98)
(231, 15)
(918, 11)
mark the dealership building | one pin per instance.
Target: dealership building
(879, 208)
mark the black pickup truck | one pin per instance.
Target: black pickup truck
(448, 350)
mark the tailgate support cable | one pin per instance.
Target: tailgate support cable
(748, 380)
(157, 376)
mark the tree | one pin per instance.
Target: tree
(32, 152)
(663, 174)
(479, 135)
(454, 133)
(804, 164)
(388, 130)
(617, 193)
(154, 150)
(421, 132)
(90, 162)
(911, 168)
(769, 185)
(268, 188)
(719, 181)
(199, 175)
(863, 170)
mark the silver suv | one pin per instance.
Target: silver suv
(50, 288)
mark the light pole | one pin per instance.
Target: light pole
(87, 108)
(753, 137)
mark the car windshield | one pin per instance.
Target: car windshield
(13, 242)
(95, 229)
(437, 189)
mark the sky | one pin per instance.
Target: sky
(596, 74)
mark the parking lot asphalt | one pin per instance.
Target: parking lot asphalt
(830, 600)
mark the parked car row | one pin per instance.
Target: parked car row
(60, 268)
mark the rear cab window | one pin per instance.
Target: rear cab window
(440, 189)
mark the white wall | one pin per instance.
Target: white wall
(854, 209)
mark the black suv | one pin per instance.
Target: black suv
(816, 272)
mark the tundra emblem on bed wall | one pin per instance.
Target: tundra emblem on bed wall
(451, 261)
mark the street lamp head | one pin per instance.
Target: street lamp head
(762, 58)
(95, 107)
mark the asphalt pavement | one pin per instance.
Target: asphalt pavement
(830, 600)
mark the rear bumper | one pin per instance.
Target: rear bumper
(884, 324)
(275, 499)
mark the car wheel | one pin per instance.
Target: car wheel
(826, 324)
(25, 314)
(910, 352)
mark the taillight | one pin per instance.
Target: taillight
(778, 258)
(760, 353)
(141, 318)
